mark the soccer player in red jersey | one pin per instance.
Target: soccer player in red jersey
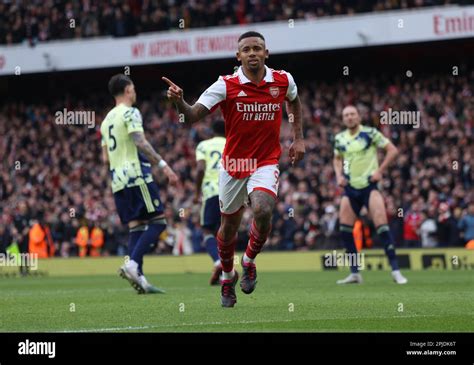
(251, 101)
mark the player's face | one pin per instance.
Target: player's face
(350, 117)
(131, 94)
(252, 53)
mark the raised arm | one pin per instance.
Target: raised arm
(192, 113)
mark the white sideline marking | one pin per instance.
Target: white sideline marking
(131, 328)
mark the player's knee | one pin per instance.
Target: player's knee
(380, 219)
(262, 212)
(347, 217)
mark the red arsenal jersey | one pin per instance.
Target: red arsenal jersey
(252, 115)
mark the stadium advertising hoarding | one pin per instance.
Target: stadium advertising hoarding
(372, 260)
(391, 27)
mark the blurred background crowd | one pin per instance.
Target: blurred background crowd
(36, 21)
(54, 185)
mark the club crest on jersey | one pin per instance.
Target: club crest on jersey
(274, 91)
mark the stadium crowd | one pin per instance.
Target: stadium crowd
(40, 21)
(52, 174)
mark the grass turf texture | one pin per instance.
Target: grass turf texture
(284, 301)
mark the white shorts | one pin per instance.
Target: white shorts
(233, 193)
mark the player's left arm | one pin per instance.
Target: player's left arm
(295, 117)
(390, 156)
(154, 157)
(134, 124)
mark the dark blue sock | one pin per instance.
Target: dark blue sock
(386, 238)
(347, 238)
(148, 237)
(133, 237)
(211, 247)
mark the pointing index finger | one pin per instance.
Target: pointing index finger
(169, 82)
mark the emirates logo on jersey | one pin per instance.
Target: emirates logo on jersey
(258, 111)
(274, 91)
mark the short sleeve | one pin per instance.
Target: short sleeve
(133, 120)
(214, 94)
(200, 155)
(379, 140)
(338, 149)
(292, 91)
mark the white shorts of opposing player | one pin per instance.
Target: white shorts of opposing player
(233, 193)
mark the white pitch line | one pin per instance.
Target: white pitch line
(131, 328)
(20, 293)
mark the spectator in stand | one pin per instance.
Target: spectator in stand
(447, 227)
(180, 238)
(428, 229)
(466, 224)
(411, 225)
(6, 238)
(329, 225)
(41, 21)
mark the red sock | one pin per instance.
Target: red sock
(226, 251)
(256, 241)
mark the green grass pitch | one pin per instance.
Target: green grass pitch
(284, 301)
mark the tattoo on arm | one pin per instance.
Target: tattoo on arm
(295, 117)
(145, 147)
(193, 113)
